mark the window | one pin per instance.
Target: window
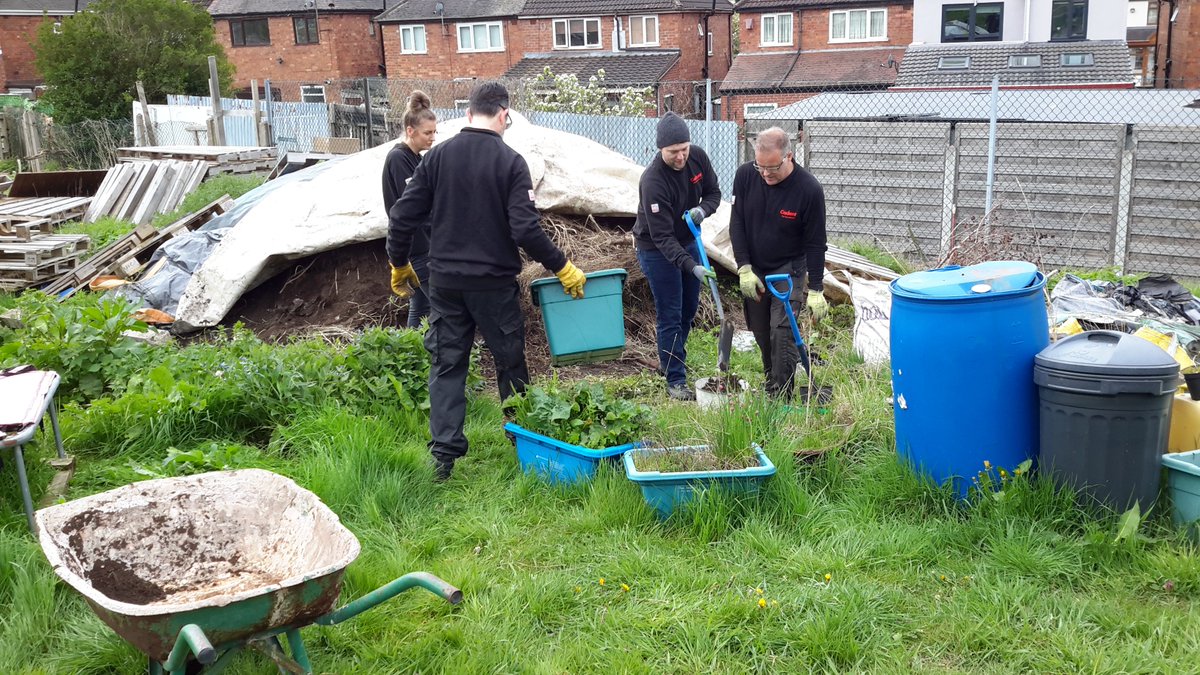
(1068, 20)
(412, 39)
(643, 31)
(249, 32)
(1025, 61)
(710, 44)
(480, 37)
(1077, 59)
(972, 23)
(752, 109)
(954, 62)
(858, 25)
(576, 33)
(306, 30)
(776, 30)
(312, 93)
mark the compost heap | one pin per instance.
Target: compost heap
(338, 292)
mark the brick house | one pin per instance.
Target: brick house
(19, 22)
(299, 44)
(1177, 65)
(1030, 44)
(656, 43)
(793, 50)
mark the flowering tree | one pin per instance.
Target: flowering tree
(565, 93)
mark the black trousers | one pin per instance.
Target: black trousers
(453, 318)
(768, 320)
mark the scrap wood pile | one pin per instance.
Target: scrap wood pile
(139, 192)
(218, 158)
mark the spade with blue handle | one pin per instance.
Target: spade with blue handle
(785, 296)
(725, 341)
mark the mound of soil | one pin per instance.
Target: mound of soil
(347, 289)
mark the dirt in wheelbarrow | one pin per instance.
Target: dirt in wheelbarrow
(116, 580)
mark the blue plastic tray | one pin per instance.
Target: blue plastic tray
(558, 462)
(668, 491)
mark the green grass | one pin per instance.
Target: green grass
(858, 564)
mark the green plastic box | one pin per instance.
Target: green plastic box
(1183, 480)
(586, 330)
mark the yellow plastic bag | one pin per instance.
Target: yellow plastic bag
(1168, 343)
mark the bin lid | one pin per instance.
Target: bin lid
(1108, 353)
(971, 281)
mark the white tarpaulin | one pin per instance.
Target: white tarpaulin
(340, 202)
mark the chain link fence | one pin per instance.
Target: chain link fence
(1067, 178)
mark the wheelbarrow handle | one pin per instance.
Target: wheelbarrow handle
(382, 594)
(191, 640)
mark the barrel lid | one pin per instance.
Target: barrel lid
(1107, 353)
(971, 281)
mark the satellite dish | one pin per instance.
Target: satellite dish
(439, 8)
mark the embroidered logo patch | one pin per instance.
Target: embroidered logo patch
(531, 198)
(790, 215)
(654, 208)
(696, 178)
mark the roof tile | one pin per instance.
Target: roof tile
(920, 65)
(621, 69)
(817, 68)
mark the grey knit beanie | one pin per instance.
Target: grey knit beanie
(672, 130)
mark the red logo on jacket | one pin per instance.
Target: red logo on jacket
(696, 178)
(790, 215)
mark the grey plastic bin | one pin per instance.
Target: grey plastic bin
(1105, 415)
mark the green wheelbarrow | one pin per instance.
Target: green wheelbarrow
(194, 569)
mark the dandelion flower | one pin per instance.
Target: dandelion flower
(828, 577)
(943, 577)
(1003, 473)
(759, 591)
(578, 589)
(762, 602)
(987, 464)
(625, 587)
(601, 581)
(1016, 472)
(774, 603)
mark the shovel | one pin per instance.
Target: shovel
(823, 394)
(725, 341)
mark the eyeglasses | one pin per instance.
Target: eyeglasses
(768, 169)
(507, 117)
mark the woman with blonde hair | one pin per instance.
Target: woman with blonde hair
(420, 126)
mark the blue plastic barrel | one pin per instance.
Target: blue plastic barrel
(963, 340)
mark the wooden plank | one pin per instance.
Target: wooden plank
(148, 205)
(136, 190)
(104, 202)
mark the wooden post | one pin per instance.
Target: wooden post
(367, 108)
(151, 136)
(216, 134)
(258, 130)
(33, 141)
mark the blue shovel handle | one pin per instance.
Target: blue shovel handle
(785, 298)
(687, 218)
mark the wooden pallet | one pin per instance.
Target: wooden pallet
(24, 228)
(40, 249)
(54, 210)
(128, 255)
(141, 190)
(220, 159)
(40, 271)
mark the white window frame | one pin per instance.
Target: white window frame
(709, 40)
(567, 33)
(845, 13)
(644, 19)
(954, 63)
(762, 32)
(1025, 61)
(462, 103)
(1068, 60)
(412, 30)
(458, 31)
(307, 90)
(758, 108)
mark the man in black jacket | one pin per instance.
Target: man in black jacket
(679, 180)
(777, 227)
(478, 197)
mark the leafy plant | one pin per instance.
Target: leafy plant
(82, 341)
(580, 414)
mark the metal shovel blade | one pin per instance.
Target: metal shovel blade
(724, 346)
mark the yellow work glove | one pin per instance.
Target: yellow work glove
(817, 305)
(752, 287)
(572, 280)
(404, 280)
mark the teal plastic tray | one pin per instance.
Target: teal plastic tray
(666, 492)
(586, 330)
(1183, 480)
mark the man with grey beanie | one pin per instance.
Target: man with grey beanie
(679, 180)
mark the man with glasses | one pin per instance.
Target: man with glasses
(778, 227)
(679, 180)
(477, 195)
